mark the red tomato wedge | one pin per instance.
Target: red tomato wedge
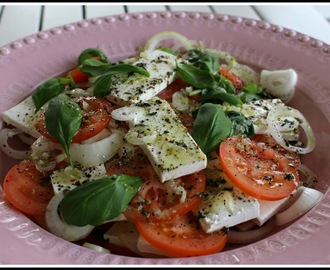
(258, 169)
(181, 237)
(293, 157)
(173, 87)
(232, 77)
(27, 189)
(96, 116)
(160, 201)
(78, 76)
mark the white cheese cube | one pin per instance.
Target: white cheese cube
(69, 177)
(227, 208)
(125, 234)
(155, 127)
(268, 209)
(257, 111)
(133, 88)
(21, 116)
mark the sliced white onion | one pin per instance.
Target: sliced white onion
(178, 40)
(311, 178)
(223, 55)
(5, 135)
(140, 135)
(273, 117)
(99, 136)
(250, 236)
(146, 248)
(127, 113)
(58, 227)
(182, 102)
(44, 154)
(246, 74)
(96, 247)
(308, 198)
(98, 152)
(26, 138)
(279, 83)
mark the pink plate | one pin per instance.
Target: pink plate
(27, 62)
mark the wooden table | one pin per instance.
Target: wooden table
(18, 20)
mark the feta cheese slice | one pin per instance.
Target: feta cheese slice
(226, 209)
(133, 88)
(257, 111)
(155, 127)
(70, 177)
(21, 116)
(268, 209)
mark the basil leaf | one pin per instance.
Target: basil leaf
(93, 67)
(46, 91)
(99, 200)
(126, 68)
(63, 120)
(92, 52)
(203, 60)
(211, 126)
(252, 92)
(103, 83)
(219, 95)
(241, 125)
(68, 80)
(194, 76)
(227, 85)
(168, 50)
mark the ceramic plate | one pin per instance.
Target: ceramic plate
(27, 62)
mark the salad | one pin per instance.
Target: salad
(177, 151)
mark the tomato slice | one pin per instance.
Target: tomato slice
(173, 87)
(181, 237)
(257, 169)
(232, 77)
(160, 201)
(78, 76)
(293, 157)
(27, 189)
(96, 116)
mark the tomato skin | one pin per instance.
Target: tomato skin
(257, 169)
(173, 87)
(25, 189)
(232, 77)
(155, 200)
(271, 142)
(95, 118)
(78, 76)
(181, 237)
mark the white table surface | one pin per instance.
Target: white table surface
(18, 20)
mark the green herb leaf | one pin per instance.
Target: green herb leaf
(47, 90)
(126, 68)
(103, 83)
(92, 52)
(226, 84)
(252, 92)
(63, 120)
(211, 126)
(168, 50)
(219, 95)
(241, 125)
(194, 76)
(94, 68)
(99, 200)
(203, 60)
